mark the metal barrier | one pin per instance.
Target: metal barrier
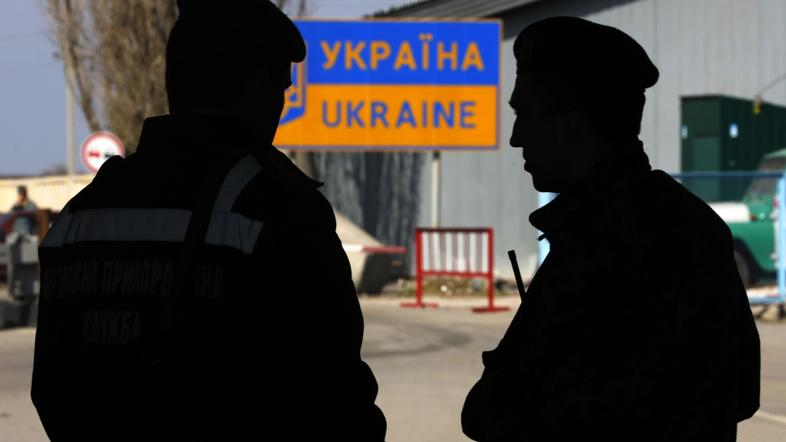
(457, 252)
(780, 223)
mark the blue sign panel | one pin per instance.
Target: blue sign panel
(402, 53)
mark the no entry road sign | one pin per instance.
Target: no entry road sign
(99, 147)
(394, 85)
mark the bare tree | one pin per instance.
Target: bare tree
(113, 54)
(113, 57)
(297, 8)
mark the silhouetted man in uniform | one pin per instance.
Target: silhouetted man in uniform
(196, 290)
(636, 327)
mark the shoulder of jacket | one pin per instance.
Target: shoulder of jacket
(111, 168)
(311, 210)
(285, 194)
(675, 218)
(102, 186)
(283, 171)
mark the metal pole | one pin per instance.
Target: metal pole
(70, 137)
(419, 274)
(419, 265)
(435, 188)
(490, 276)
(781, 237)
(490, 308)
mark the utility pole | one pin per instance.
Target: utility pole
(70, 136)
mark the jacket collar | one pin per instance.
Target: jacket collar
(188, 134)
(584, 202)
(196, 133)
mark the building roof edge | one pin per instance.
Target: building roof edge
(433, 8)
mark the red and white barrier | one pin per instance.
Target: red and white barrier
(457, 252)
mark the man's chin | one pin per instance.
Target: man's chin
(543, 185)
(540, 188)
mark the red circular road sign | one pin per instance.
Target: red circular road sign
(99, 147)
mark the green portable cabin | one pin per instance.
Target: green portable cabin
(721, 133)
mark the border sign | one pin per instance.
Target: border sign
(99, 147)
(394, 86)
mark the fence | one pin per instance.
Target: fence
(456, 252)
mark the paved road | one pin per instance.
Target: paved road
(18, 421)
(425, 362)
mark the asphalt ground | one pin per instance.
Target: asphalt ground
(425, 361)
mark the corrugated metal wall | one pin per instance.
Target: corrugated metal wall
(729, 47)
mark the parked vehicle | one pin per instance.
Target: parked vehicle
(34, 223)
(753, 222)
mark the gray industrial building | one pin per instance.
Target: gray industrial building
(702, 47)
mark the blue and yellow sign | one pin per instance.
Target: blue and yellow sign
(394, 85)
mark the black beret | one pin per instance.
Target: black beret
(254, 29)
(584, 52)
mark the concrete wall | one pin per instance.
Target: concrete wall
(731, 47)
(49, 192)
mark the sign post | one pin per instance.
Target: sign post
(99, 147)
(436, 194)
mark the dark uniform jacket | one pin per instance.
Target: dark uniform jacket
(246, 329)
(635, 328)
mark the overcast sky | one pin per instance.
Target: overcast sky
(32, 90)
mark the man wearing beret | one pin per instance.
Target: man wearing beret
(637, 326)
(197, 290)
